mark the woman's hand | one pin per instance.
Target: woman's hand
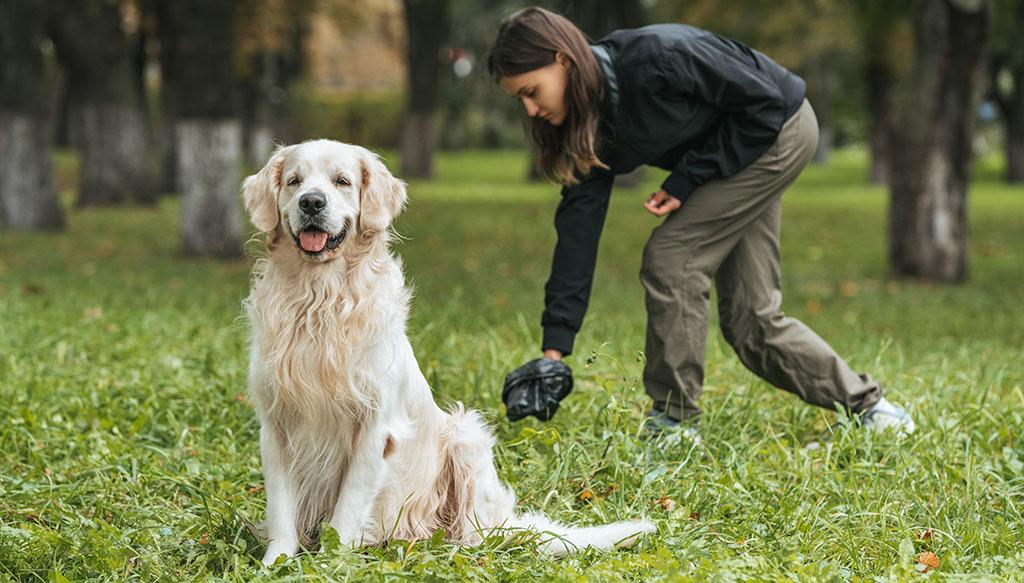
(553, 354)
(661, 203)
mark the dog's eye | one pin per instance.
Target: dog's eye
(341, 181)
(293, 181)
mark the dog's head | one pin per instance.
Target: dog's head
(318, 194)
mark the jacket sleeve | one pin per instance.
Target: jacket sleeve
(753, 110)
(578, 223)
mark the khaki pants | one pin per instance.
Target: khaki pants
(728, 230)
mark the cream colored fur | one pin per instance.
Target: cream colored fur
(350, 433)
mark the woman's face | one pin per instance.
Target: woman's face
(542, 90)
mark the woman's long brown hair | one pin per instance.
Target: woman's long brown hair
(530, 39)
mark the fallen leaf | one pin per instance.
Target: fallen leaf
(813, 307)
(929, 559)
(695, 515)
(926, 534)
(586, 495)
(666, 503)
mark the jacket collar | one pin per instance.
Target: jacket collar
(611, 81)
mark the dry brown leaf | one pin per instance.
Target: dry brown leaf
(666, 503)
(929, 559)
(813, 307)
(926, 534)
(695, 515)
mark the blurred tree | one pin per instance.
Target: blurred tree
(933, 140)
(598, 18)
(1007, 84)
(883, 27)
(200, 36)
(272, 38)
(427, 30)
(28, 199)
(106, 115)
(810, 37)
(170, 94)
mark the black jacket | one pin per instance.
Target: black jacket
(676, 97)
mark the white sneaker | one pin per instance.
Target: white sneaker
(884, 415)
(659, 424)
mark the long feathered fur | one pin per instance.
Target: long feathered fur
(333, 380)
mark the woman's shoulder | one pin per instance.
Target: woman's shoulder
(648, 44)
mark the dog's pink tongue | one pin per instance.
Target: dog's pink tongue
(313, 241)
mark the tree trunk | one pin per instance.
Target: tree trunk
(257, 136)
(932, 148)
(106, 118)
(822, 102)
(598, 18)
(1011, 108)
(427, 23)
(208, 131)
(171, 94)
(211, 223)
(878, 86)
(26, 172)
(419, 139)
(1014, 126)
(115, 163)
(28, 199)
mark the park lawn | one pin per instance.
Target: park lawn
(128, 450)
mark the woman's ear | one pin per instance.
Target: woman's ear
(381, 196)
(259, 191)
(563, 60)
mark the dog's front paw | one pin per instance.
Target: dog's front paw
(275, 550)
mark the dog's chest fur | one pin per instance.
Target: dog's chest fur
(316, 333)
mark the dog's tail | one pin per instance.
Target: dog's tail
(559, 539)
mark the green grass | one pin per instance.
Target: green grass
(128, 451)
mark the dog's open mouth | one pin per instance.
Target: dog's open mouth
(314, 241)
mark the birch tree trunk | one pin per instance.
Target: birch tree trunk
(933, 140)
(208, 162)
(28, 199)
(426, 33)
(208, 127)
(106, 114)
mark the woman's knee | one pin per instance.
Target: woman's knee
(744, 326)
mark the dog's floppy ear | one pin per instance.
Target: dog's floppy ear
(381, 197)
(260, 191)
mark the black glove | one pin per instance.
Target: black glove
(536, 389)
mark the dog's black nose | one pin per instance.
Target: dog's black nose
(312, 202)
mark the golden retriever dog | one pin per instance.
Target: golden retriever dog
(350, 433)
